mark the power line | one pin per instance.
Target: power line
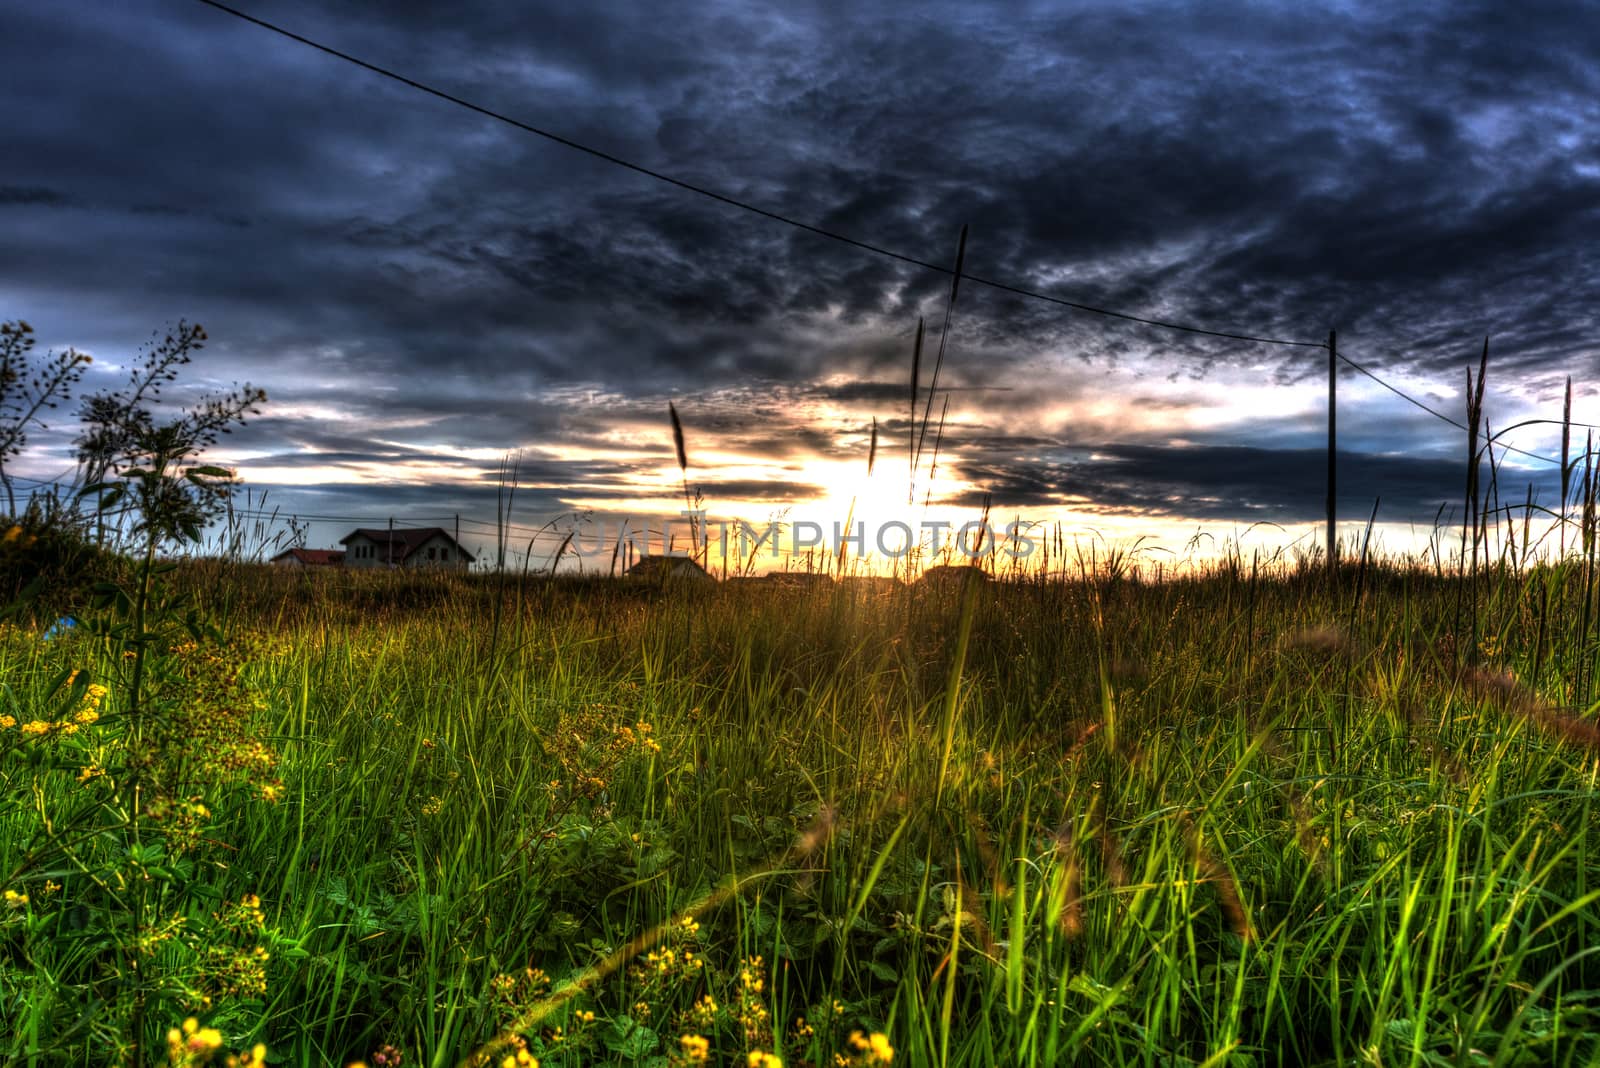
(1440, 415)
(832, 235)
(723, 198)
(1403, 394)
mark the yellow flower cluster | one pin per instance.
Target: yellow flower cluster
(153, 936)
(761, 1059)
(636, 736)
(255, 1058)
(512, 993)
(590, 749)
(239, 972)
(664, 964)
(14, 538)
(88, 710)
(49, 728)
(869, 1050)
(192, 1045)
(246, 915)
(696, 1048)
(754, 1017)
(15, 900)
(86, 714)
(703, 1013)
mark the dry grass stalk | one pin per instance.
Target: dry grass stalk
(990, 857)
(1069, 893)
(1505, 692)
(1228, 892)
(911, 444)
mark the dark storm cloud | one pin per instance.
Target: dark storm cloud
(1418, 175)
(1229, 482)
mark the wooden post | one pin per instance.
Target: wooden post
(388, 550)
(1333, 450)
(458, 536)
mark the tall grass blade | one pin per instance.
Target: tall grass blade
(911, 423)
(944, 339)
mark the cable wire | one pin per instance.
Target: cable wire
(723, 198)
(1440, 415)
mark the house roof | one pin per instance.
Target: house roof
(798, 578)
(403, 541)
(955, 573)
(313, 557)
(668, 566)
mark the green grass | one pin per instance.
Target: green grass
(1210, 821)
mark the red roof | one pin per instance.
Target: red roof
(314, 557)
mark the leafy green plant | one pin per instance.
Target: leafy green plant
(137, 743)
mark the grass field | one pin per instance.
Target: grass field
(1216, 820)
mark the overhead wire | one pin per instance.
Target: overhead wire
(723, 198)
(780, 217)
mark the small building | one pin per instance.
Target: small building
(669, 569)
(952, 576)
(308, 558)
(799, 580)
(871, 585)
(404, 547)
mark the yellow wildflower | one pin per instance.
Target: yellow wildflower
(696, 1048)
(256, 1058)
(875, 1048)
(201, 1041)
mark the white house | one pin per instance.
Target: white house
(406, 547)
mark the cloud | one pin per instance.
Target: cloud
(420, 282)
(1223, 483)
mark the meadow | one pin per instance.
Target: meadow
(1230, 818)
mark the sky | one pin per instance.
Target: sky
(423, 290)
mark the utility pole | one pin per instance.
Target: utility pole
(388, 550)
(1333, 450)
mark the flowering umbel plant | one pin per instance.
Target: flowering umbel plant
(127, 456)
(29, 390)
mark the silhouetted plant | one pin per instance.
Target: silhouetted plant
(128, 457)
(29, 388)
